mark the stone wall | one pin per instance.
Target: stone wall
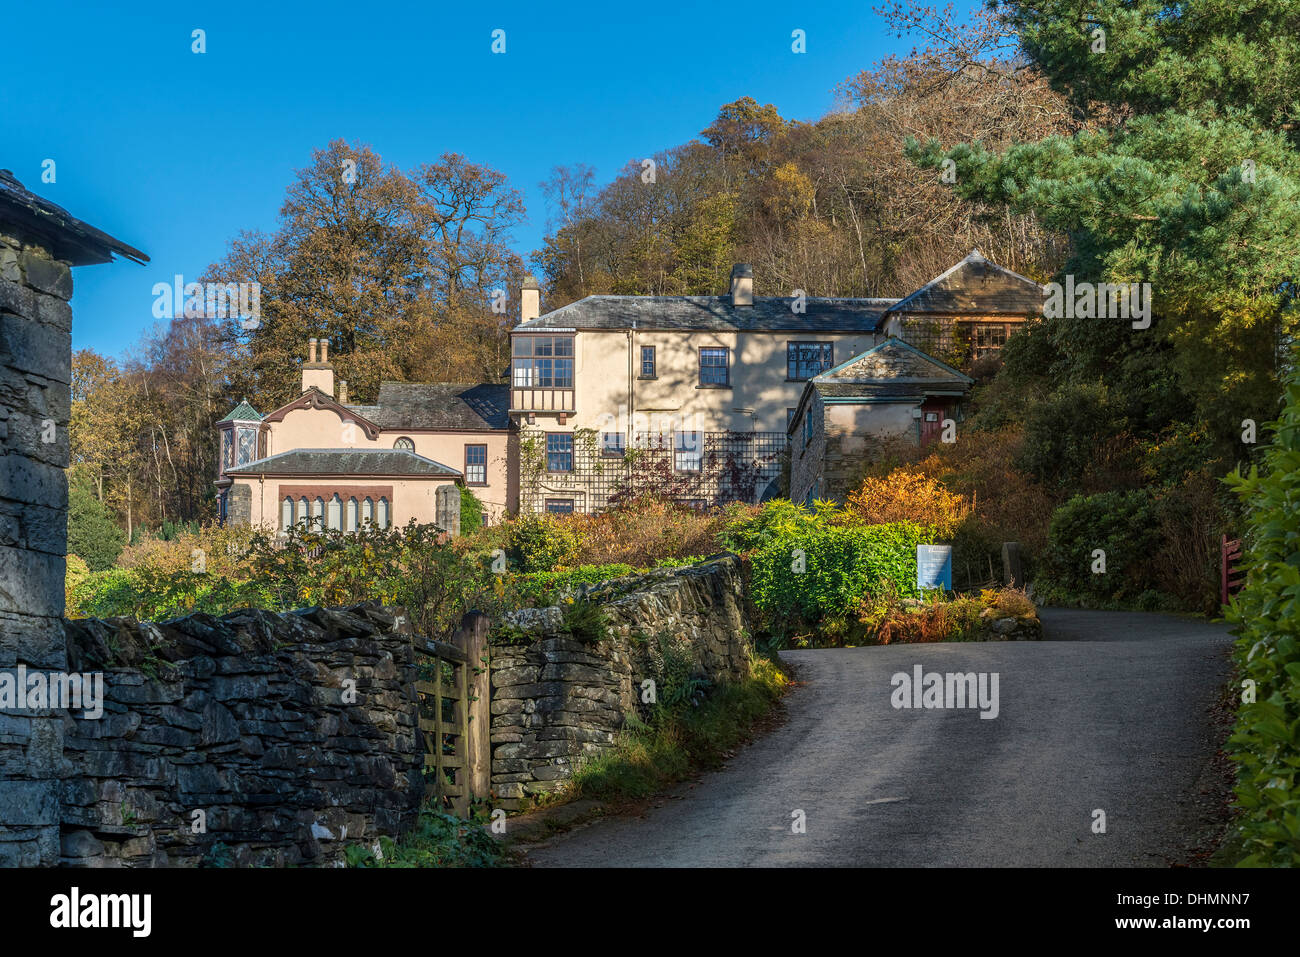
(248, 719)
(35, 372)
(557, 698)
(806, 458)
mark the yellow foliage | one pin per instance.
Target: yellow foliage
(908, 495)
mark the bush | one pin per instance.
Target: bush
(1266, 619)
(543, 542)
(1124, 525)
(93, 533)
(908, 495)
(818, 573)
(647, 531)
(471, 512)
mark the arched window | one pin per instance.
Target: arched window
(352, 515)
(318, 513)
(335, 513)
(382, 518)
(367, 511)
(404, 444)
(302, 518)
(286, 513)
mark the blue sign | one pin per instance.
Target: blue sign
(934, 566)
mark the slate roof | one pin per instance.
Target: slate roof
(242, 413)
(66, 237)
(345, 462)
(713, 314)
(893, 370)
(975, 285)
(439, 405)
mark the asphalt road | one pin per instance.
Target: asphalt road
(1109, 713)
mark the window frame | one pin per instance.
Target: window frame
(549, 453)
(725, 367)
(791, 364)
(482, 465)
(620, 450)
(654, 363)
(546, 506)
(697, 452)
(534, 378)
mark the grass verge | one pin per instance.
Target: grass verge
(649, 756)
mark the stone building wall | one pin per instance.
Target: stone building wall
(35, 372)
(806, 460)
(248, 719)
(557, 699)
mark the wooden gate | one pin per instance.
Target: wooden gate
(1231, 576)
(454, 715)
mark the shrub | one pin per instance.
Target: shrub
(76, 572)
(647, 531)
(93, 533)
(543, 542)
(1266, 619)
(745, 528)
(908, 495)
(471, 512)
(1123, 525)
(817, 573)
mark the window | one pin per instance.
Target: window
(381, 513)
(789, 417)
(713, 367)
(986, 336)
(318, 513)
(559, 506)
(807, 427)
(286, 514)
(476, 465)
(367, 511)
(334, 513)
(404, 444)
(559, 451)
(544, 362)
(247, 446)
(612, 444)
(648, 362)
(354, 510)
(686, 451)
(303, 513)
(803, 360)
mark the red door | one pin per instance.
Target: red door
(932, 415)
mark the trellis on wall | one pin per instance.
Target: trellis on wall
(702, 469)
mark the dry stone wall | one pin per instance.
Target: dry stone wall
(248, 720)
(557, 698)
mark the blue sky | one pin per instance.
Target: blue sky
(175, 152)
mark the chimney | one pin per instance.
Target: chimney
(318, 375)
(742, 284)
(530, 299)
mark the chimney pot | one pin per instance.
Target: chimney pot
(311, 349)
(742, 284)
(324, 350)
